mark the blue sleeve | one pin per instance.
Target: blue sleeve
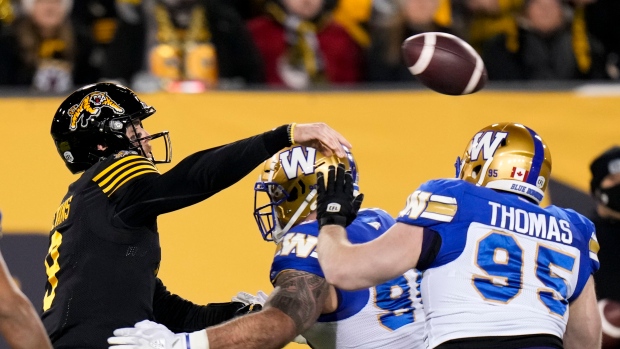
(585, 240)
(589, 258)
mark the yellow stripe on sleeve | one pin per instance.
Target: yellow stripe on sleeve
(127, 175)
(141, 161)
(441, 208)
(594, 246)
(116, 164)
(129, 178)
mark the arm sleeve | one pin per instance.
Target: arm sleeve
(181, 315)
(197, 177)
(431, 244)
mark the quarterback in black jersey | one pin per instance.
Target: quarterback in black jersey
(104, 250)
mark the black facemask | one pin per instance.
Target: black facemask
(610, 197)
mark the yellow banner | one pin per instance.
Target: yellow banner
(213, 249)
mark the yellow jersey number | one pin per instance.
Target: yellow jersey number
(51, 268)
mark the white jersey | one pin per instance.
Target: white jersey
(506, 267)
(389, 315)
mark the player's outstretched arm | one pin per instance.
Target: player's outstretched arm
(294, 305)
(356, 266)
(205, 173)
(584, 321)
(19, 323)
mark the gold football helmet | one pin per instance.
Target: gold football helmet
(289, 179)
(507, 156)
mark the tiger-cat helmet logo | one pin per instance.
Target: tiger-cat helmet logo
(91, 104)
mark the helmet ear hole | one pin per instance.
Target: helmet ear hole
(476, 171)
(302, 187)
(293, 195)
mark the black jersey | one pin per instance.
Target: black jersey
(104, 250)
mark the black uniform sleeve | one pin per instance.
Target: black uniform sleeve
(196, 178)
(181, 315)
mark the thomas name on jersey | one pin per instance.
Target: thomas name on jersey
(530, 223)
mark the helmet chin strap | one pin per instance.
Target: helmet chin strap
(293, 219)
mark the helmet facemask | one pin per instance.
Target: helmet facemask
(136, 142)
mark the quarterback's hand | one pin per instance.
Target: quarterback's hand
(336, 202)
(320, 137)
(151, 335)
(252, 303)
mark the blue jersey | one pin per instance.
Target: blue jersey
(389, 315)
(506, 266)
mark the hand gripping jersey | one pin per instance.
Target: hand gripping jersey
(506, 267)
(389, 315)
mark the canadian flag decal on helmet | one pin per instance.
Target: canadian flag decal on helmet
(519, 173)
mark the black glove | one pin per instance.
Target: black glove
(337, 204)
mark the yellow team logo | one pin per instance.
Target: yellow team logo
(92, 104)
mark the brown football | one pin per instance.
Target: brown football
(444, 63)
(611, 311)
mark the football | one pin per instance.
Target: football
(444, 63)
(611, 312)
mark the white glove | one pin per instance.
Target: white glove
(300, 339)
(248, 299)
(151, 335)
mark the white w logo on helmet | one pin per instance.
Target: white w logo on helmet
(297, 158)
(487, 143)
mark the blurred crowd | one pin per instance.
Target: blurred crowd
(196, 45)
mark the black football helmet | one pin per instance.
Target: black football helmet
(99, 114)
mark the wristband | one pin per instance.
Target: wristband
(291, 132)
(337, 220)
(197, 340)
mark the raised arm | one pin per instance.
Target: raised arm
(207, 172)
(355, 266)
